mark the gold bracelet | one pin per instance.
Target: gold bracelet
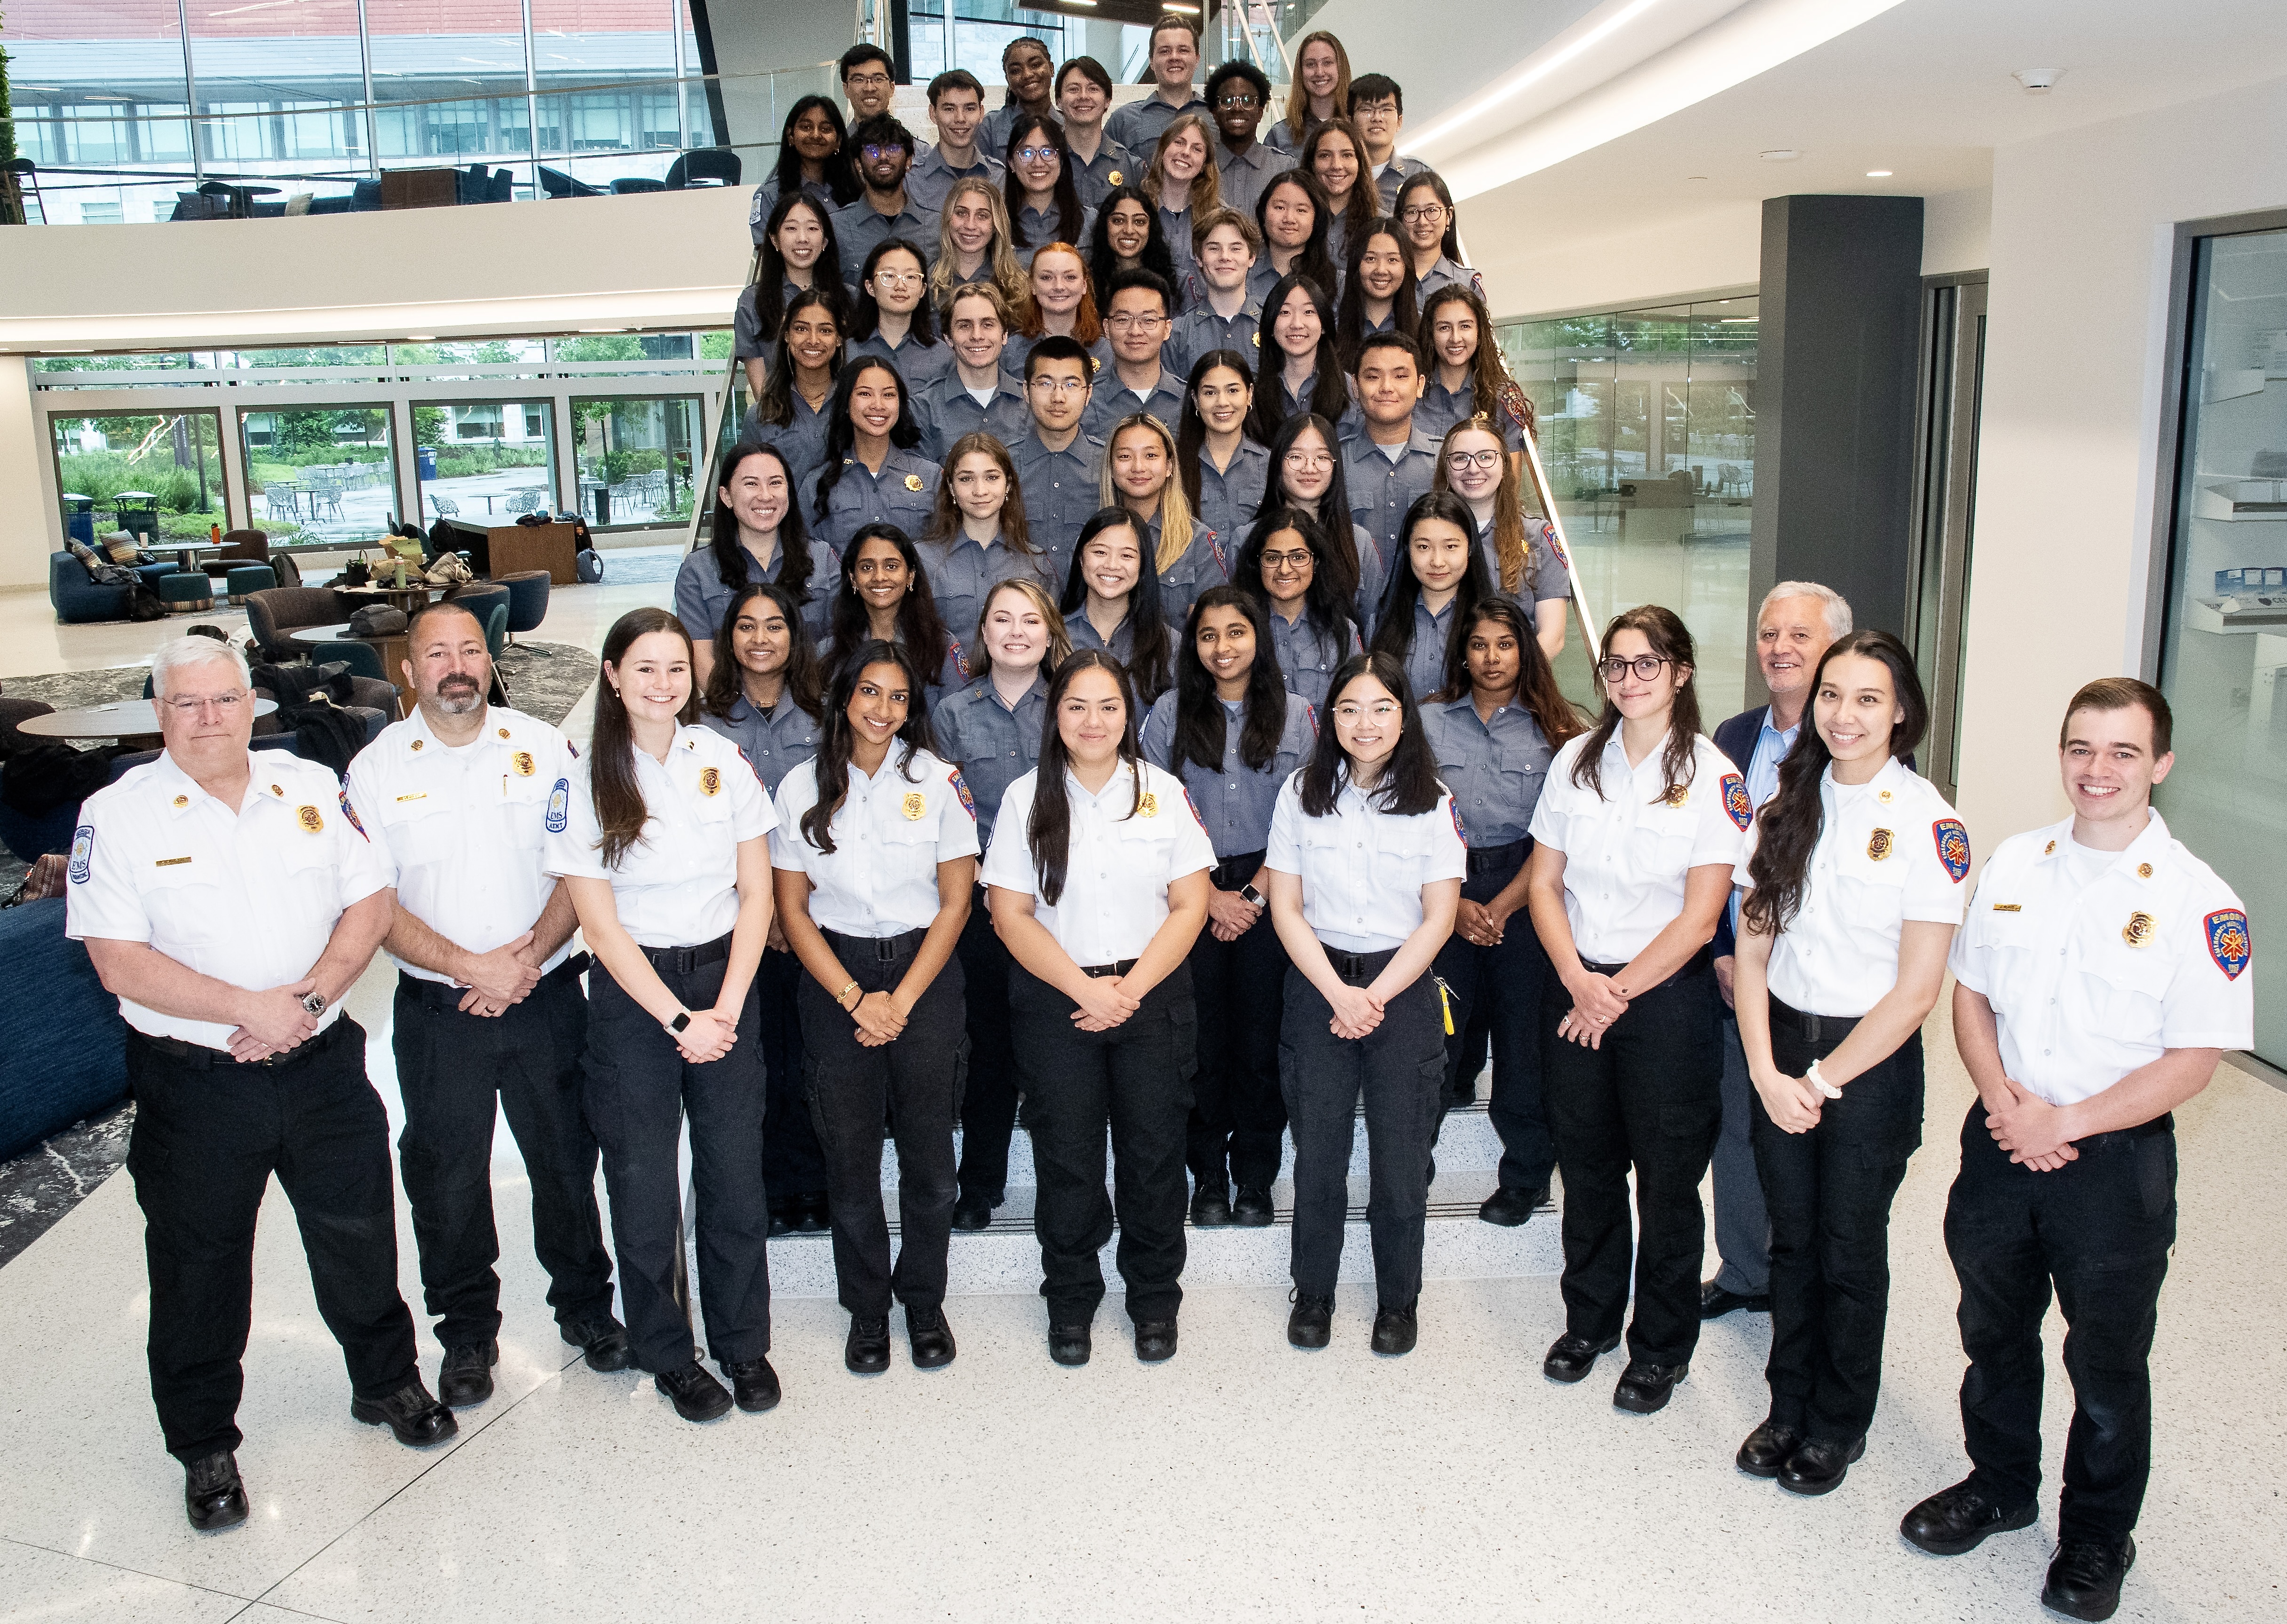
(844, 993)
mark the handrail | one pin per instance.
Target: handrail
(702, 506)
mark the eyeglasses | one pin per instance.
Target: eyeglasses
(871, 82)
(1309, 462)
(1126, 322)
(223, 704)
(1245, 100)
(1061, 386)
(1460, 461)
(874, 154)
(897, 279)
(1645, 666)
(1037, 154)
(1422, 211)
(1383, 710)
(1300, 558)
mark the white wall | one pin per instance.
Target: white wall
(2082, 226)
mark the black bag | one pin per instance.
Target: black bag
(378, 620)
(39, 778)
(144, 604)
(589, 565)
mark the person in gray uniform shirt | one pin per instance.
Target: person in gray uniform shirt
(758, 535)
(1174, 58)
(884, 151)
(1059, 466)
(1099, 163)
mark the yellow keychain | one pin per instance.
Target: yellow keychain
(1445, 1002)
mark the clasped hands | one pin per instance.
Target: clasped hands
(1229, 915)
(2031, 1130)
(496, 979)
(1596, 1003)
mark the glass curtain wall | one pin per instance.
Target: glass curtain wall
(2223, 661)
(158, 474)
(633, 457)
(485, 461)
(320, 473)
(1648, 435)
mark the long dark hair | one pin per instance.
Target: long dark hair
(1314, 261)
(1491, 390)
(905, 434)
(1071, 215)
(919, 628)
(775, 405)
(841, 179)
(1200, 731)
(1393, 622)
(1158, 258)
(866, 315)
(1148, 641)
(768, 290)
(1335, 521)
(1191, 436)
(619, 810)
(1323, 603)
(1366, 193)
(1671, 640)
(836, 738)
(1409, 785)
(732, 562)
(1794, 817)
(1449, 245)
(1330, 396)
(726, 682)
(1047, 831)
(1537, 692)
(1403, 316)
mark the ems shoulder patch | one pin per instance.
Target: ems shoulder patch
(960, 788)
(1742, 809)
(1451, 805)
(1953, 847)
(83, 853)
(2227, 930)
(559, 806)
(350, 812)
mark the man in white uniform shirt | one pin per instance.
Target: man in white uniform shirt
(488, 1006)
(2102, 972)
(229, 902)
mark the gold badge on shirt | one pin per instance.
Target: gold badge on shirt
(914, 804)
(1115, 177)
(2138, 931)
(504, 732)
(311, 819)
(522, 761)
(2144, 871)
(913, 482)
(1147, 805)
(1676, 796)
(1885, 797)
(1879, 844)
(710, 781)
(182, 800)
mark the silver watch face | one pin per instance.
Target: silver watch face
(314, 1002)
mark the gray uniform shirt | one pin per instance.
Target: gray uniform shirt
(1062, 491)
(991, 744)
(1494, 770)
(1234, 804)
(774, 742)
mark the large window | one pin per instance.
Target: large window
(320, 473)
(153, 473)
(1647, 433)
(634, 454)
(485, 461)
(2224, 656)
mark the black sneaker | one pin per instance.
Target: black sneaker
(696, 1395)
(466, 1376)
(213, 1497)
(2085, 1577)
(1311, 1324)
(1395, 1330)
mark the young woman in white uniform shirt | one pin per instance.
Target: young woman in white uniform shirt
(1097, 876)
(1364, 871)
(662, 831)
(1854, 875)
(876, 856)
(1633, 842)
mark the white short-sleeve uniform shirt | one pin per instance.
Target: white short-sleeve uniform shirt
(1128, 844)
(1889, 850)
(1363, 869)
(889, 833)
(677, 886)
(247, 895)
(1628, 850)
(462, 833)
(2096, 963)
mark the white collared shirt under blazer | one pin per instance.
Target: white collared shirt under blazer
(889, 833)
(247, 895)
(1889, 850)
(2092, 976)
(1363, 869)
(462, 833)
(1628, 850)
(677, 886)
(1128, 844)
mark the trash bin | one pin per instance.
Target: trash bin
(603, 495)
(79, 517)
(139, 515)
(428, 461)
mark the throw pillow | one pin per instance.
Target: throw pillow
(85, 554)
(121, 548)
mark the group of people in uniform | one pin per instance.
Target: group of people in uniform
(968, 792)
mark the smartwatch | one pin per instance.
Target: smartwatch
(1250, 893)
(681, 1023)
(314, 1002)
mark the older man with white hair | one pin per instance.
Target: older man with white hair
(229, 900)
(1797, 623)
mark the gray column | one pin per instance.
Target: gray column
(1838, 356)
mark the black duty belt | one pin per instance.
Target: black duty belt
(1812, 1028)
(448, 994)
(1359, 967)
(883, 949)
(200, 1055)
(2165, 1123)
(1493, 857)
(1234, 872)
(1120, 968)
(1698, 963)
(684, 960)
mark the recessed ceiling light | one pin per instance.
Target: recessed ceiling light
(1695, 178)
(421, 338)
(1781, 155)
(2038, 80)
(1877, 174)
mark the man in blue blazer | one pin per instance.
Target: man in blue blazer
(1797, 622)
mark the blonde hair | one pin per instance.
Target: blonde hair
(1298, 94)
(1174, 511)
(1059, 639)
(1000, 264)
(1088, 325)
(1513, 556)
(1206, 185)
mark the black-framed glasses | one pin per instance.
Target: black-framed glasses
(874, 154)
(1460, 461)
(1037, 154)
(1414, 213)
(1297, 559)
(1646, 666)
(1243, 98)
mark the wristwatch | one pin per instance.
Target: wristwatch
(1248, 893)
(314, 1002)
(681, 1021)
